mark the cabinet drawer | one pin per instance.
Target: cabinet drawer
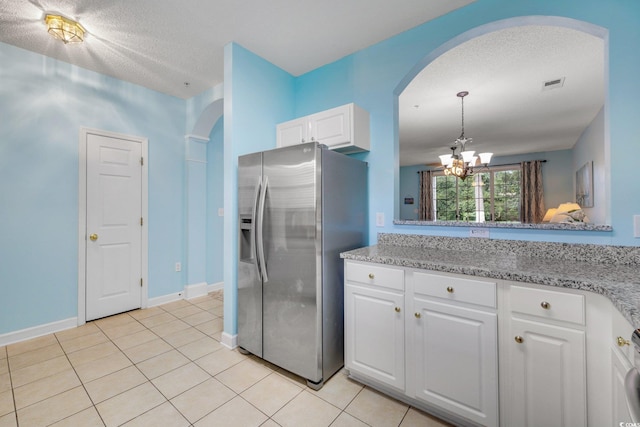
(547, 304)
(377, 275)
(456, 289)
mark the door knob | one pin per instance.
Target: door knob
(93, 237)
(622, 342)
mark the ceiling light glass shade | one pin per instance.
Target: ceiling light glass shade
(445, 159)
(485, 158)
(473, 161)
(64, 29)
(467, 156)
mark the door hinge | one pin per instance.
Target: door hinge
(141, 221)
(141, 282)
(141, 161)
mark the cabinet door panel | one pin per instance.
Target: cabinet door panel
(332, 127)
(456, 359)
(292, 132)
(547, 375)
(620, 365)
(374, 334)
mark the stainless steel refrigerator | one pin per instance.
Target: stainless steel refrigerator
(298, 208)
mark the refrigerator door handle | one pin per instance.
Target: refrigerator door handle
(254, 214)
(260, 232)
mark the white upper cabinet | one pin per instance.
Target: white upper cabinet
(344, 128)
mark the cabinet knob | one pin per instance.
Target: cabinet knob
(303, 140)
(397, 309)
(371, 276)
(519, 339)
(545, 305)
(622, 342)
(418, 315)
(449, 289)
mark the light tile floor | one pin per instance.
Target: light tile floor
(165, 366)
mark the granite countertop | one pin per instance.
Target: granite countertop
(619, 283)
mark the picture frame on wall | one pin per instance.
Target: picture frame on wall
(584, 185)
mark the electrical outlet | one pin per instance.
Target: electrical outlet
(380, 219)
(220, 211)
(178, 267)
(636, 226)
(479, 232)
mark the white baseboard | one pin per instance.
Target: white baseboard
(228, 340)
(195, 290)
(215, 287)
(165, 299)
(38, 331)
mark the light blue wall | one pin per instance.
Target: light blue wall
(589, 149)
(373, 78)
(43, 104)
(215, 200)
(257, 95)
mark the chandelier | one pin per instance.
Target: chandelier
(461, 165)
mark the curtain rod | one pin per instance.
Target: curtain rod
(508, 164)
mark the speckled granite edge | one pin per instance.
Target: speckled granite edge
(574, 226)
(620, 284)
(583, 252)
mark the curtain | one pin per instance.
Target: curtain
(531, 195)
(426, 197)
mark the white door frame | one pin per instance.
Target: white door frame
(82, 217)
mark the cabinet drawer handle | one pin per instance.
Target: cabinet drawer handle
(418, 315)
(622, 342)
(545, 305)
(519, 339)
(397, 309)
(449, 289)
(371, 276)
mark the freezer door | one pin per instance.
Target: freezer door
(291, 317)
(249, 280)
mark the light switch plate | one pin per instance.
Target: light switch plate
(380, 219)
(636, 226)
(479, 232)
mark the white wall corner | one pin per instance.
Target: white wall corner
(228, 340)
(195, 290)
(37, 331)
(212, 287)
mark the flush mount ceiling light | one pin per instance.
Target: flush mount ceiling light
(65, 29)
(461, 165)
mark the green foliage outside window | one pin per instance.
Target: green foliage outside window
(484, 196)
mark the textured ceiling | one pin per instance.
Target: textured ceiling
(162, 44)
(506, 111)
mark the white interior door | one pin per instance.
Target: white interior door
(113, 225)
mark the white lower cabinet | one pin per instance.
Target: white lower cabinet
(621, 363)
(374, 323)
(456, 359)
(547, 375)
(477, 351)
(374, 331)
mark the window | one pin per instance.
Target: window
(492, 194)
